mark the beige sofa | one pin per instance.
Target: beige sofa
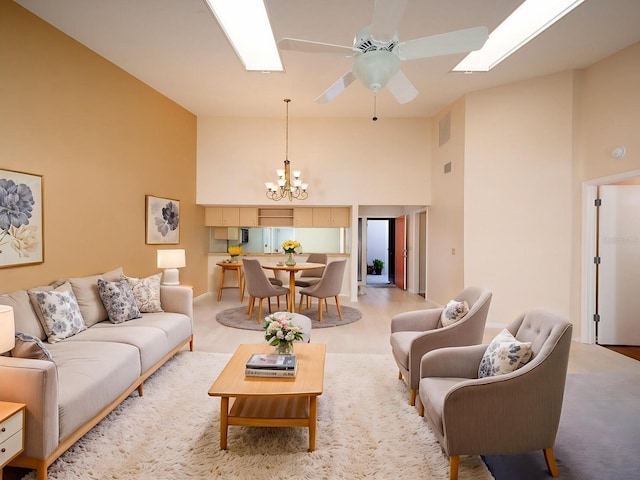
(93, 370)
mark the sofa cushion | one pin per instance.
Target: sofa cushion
(504, 355)
(86, 291)
(453, 312)
(25, 316)
(146, 292)
(118, 301)
(90, 376)
(28, 346)
(152, 343)
(61, 314)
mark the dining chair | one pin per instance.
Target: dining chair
(329, 285)
(308, 278)
(259, 286)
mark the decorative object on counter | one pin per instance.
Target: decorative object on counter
(291, 247)
(163, 221)
(21, 241)
(235, 251)
(280, 332)
(171, 260)
(285, 186)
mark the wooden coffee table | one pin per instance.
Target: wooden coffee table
(271, 402)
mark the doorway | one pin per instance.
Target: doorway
(380, 248)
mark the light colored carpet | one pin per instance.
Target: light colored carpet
(237, 317)
(366, 430)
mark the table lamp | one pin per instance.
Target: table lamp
(171, 260)
(7, 329)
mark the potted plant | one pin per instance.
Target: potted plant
(369, 269)
(377, 266)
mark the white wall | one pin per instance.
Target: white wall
(518, 195)
(346, 161)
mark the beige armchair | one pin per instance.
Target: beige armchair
(510, 413)
(415, 333)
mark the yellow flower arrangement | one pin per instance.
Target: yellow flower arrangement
(291, 246)
(235, 250)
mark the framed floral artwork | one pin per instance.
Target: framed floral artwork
(163, 220)
(21, 220)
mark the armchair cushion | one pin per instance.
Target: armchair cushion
(453, 312)
(504, 355)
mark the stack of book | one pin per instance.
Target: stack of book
(271, 365)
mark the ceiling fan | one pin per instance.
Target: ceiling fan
(377, 52)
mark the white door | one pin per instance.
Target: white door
(619, 269)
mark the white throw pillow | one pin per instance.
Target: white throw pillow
(504, 354)
(146, 291)
(61, 314)
(453, 312)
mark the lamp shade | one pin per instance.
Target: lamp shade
(171, 258)
(7, 329)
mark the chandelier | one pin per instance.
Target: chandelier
(287, 186)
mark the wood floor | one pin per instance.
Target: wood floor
(371, 333)
(626, 350)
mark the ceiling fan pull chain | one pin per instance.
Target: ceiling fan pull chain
(375, 117)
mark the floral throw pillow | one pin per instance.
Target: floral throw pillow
(146, 291)
(61, 314)
(28, 346)
(453, 312)
(118, 300)
(504, 354)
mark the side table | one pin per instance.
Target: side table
(237, 266)
(11, 432)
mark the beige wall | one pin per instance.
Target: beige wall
(445, 269)
(102, 140)
(345, 161)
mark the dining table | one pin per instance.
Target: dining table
(292, 269)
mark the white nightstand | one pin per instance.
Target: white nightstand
(11, 432)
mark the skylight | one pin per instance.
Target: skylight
(247, 27)
(524, 24)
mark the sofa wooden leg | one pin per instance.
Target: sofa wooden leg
(551, 462)
(141, 390)
(454, 463)
(412, 398)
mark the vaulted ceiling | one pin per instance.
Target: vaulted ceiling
(178, 48)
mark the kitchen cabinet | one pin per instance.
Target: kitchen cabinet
(331, 217)
(303, 217)
(222, 216)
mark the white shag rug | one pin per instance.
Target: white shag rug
(366, 430)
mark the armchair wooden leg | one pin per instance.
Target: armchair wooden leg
(420, 408)
(399, 375)
(454, 463)
(412, 398)
(551, 462)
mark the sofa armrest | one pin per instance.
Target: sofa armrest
(177, 299)
(416, 321)
(34, 383)
(458, 362)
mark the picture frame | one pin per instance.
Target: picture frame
(21, 219)
(162, 220)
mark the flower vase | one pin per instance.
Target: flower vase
(284, 348)
(291, 261)
(234, 258)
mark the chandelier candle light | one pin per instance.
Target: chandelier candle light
(286, 186)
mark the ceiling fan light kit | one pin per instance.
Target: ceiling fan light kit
(376, 68)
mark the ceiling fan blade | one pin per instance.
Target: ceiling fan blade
(386, 18)
(312, 47)
(459, 41)
(402, 88)
(337, 88)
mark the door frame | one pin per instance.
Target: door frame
(589, 251)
